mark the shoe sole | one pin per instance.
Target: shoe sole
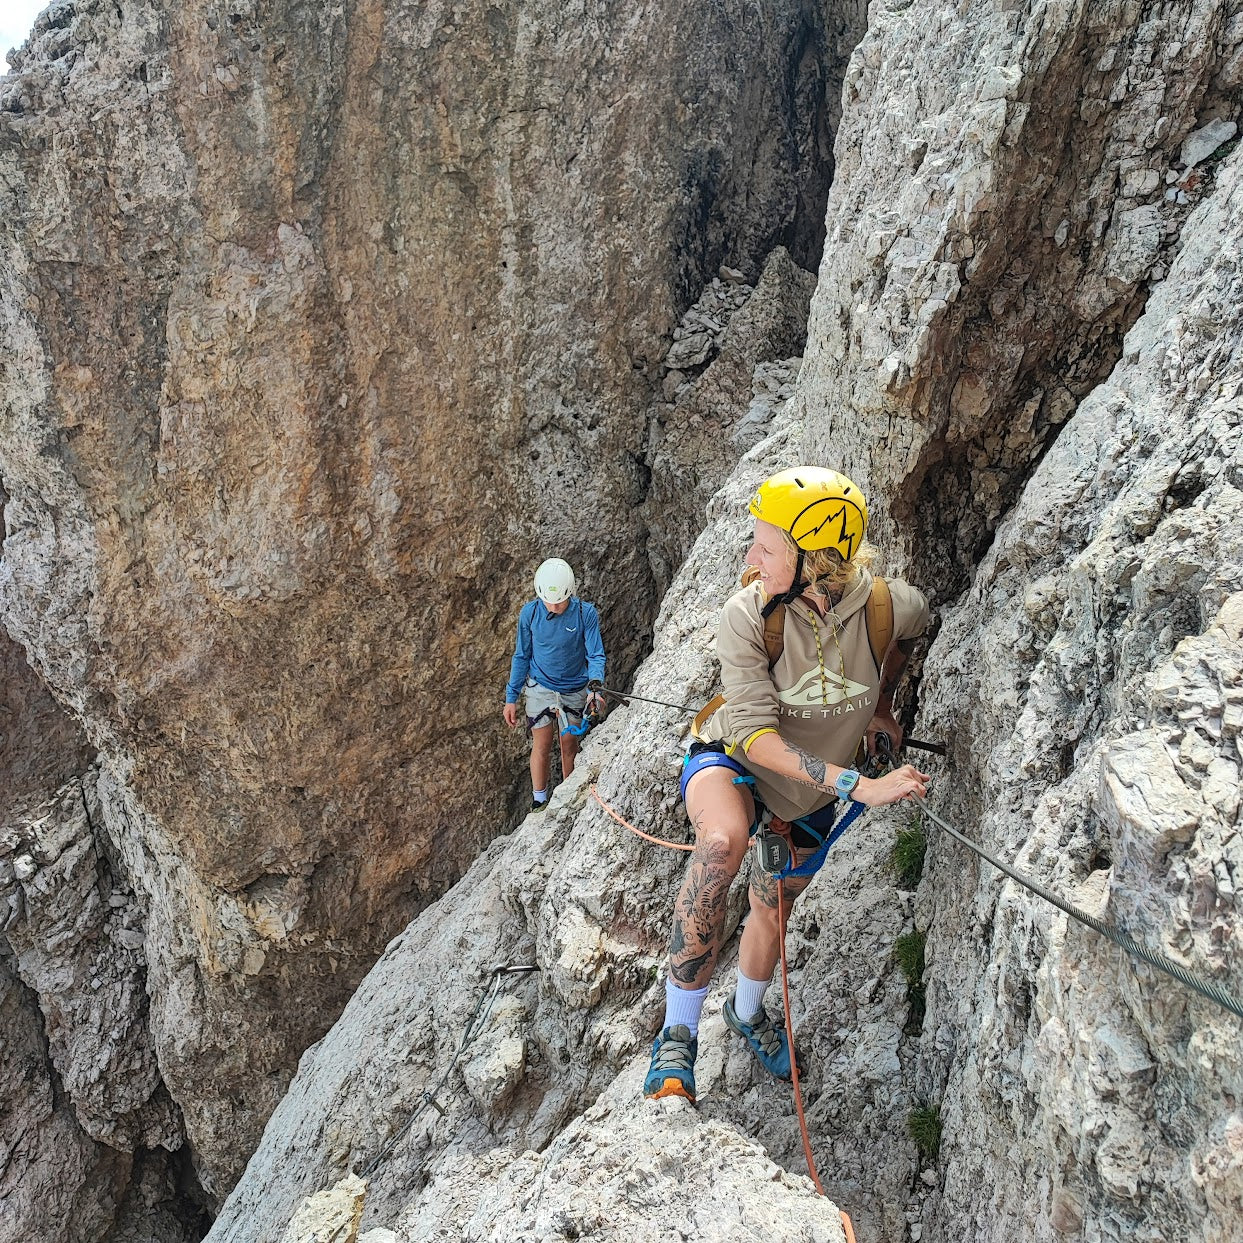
(671, 1087)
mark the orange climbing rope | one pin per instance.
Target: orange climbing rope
(647, 837)
(785, 997)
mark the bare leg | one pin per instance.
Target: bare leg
(541, 752)
(759, 949)
(721, 813)
(569, 750)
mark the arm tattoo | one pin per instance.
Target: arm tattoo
(812, 766)
(817, 773)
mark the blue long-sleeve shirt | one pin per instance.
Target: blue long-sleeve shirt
(562, 651)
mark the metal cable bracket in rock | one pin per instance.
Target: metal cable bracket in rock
(1204, 987)
(474, 1025)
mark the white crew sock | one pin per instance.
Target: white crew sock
(749, 999)
(684, 1005)
(541, 796)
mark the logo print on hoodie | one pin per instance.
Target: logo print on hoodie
(811, 692)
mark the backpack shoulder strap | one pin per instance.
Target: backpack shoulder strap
(774, 623)
(879, 617)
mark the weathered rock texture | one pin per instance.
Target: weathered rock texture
(1089, 681)
(30, 774)
(1025, 342)
(1089, 1100)
(89, 1141)
(1011, 178)
(322, 325)
(1051, 160)
(710, 374)
(587, 902)
(1094, 675)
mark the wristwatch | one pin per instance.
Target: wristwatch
(846, 781)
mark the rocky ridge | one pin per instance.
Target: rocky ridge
(1107, 623)
(1045, 159)
(1089, 678)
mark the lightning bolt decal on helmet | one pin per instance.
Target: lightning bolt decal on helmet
(819, 508)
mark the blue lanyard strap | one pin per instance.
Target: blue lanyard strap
(811, 866)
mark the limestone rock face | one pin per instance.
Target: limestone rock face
(1025, 342)
(612, 1175)
(1094, 675)
(712, 372)
(77, 942)
(55, 1178)
(1010, 178)
(322, 326)
(90, 1141)
(1088, 682)
(30, 774)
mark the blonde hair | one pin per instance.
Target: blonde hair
(824, 571)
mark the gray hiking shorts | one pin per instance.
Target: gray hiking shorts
(545, 707)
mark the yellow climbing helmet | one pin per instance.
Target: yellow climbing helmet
(818, 507)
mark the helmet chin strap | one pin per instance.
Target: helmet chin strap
(796, 590)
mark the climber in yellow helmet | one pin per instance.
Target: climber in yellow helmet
(796, 706)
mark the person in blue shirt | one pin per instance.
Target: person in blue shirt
(558, 668)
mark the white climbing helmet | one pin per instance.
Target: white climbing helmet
(554, 581)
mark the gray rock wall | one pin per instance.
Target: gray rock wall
(323, 324)
(1011, 179)
(1087, 681)
(1024, 342)
(1093, 677)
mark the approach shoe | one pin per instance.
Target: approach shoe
(672, 1072)
(768, 1041)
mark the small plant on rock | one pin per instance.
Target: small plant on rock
(924, 1125)
(906, 856)
(908, 950)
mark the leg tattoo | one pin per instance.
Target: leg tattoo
(699, 914)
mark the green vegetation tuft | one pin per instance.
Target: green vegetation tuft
(906, 857)
(924, 1125)
(909, 952)
(1221, 152)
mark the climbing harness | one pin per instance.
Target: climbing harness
(772, 850)
(474, 1025)
(1205, 988)
(585, 722)
(561, 714)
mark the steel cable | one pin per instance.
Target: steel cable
(1205, 988)
(474, 1025)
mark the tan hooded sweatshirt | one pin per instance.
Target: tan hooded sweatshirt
(804, 698)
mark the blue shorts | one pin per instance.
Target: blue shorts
(712, 755)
